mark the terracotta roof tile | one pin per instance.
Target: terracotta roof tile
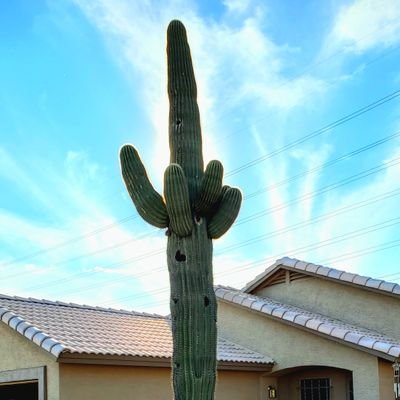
(61, 327)
(318, 323)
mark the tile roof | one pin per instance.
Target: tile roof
(62, 328)
(364, 339)
(307, 268)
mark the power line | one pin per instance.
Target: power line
(309, 136)
(366, 250)
(72, 240)
(310, 67)
(318, 132)
(313, 246)
(260, 213)
(323, 190)
(341, 258)
(331, 214)
(329, 163)
(324, 165)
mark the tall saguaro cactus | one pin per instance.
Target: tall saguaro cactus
(195, 209)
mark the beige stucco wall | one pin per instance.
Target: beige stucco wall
(356, 306)
(292, 347)
(95, 382)
(17, 352)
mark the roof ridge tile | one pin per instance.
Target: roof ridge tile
(30, 331)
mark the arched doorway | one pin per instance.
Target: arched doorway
(314, 383)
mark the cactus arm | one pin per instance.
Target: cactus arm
(147, 201)
(176, 194)
(184, 118)
(226, 213)
(211, 188)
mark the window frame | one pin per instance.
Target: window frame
(329, 386)
(23, 375)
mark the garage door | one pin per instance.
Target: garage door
(20, 391)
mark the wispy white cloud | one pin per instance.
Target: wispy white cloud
(236, 64)
(367, 24)
(358, 218)
(237, 6)
(19, 173)
(233, 64)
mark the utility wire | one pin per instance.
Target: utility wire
(323, 166)
(311, 246)
(73, 240)
(343, 257)
(322, 190)
(318, 132)
(244, 220)
(361, 252)
(351, 207)
(307, 137)
(307, 196)
(308, 68)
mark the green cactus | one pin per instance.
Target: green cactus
(196, 208)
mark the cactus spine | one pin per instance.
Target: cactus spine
(196, 208)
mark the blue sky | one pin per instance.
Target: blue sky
(78, 79)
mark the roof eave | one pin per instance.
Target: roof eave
(68, 357)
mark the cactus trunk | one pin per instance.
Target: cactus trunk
(196, 208)
(193, 314)
(193, 304)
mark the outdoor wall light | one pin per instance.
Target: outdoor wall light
(271, 392)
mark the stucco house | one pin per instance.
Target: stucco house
(333, 335)
(298, 331)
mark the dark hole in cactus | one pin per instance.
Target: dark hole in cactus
(206, 301)
(179, 256)
(197, 219)
(177, 365)
(178, 122)
(175, 300)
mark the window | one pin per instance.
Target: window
(23, 384)
(315, 389)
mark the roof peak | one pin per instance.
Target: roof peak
(307, 268)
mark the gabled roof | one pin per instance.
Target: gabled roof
(355, 336)
(70, 330)
(310, 269)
